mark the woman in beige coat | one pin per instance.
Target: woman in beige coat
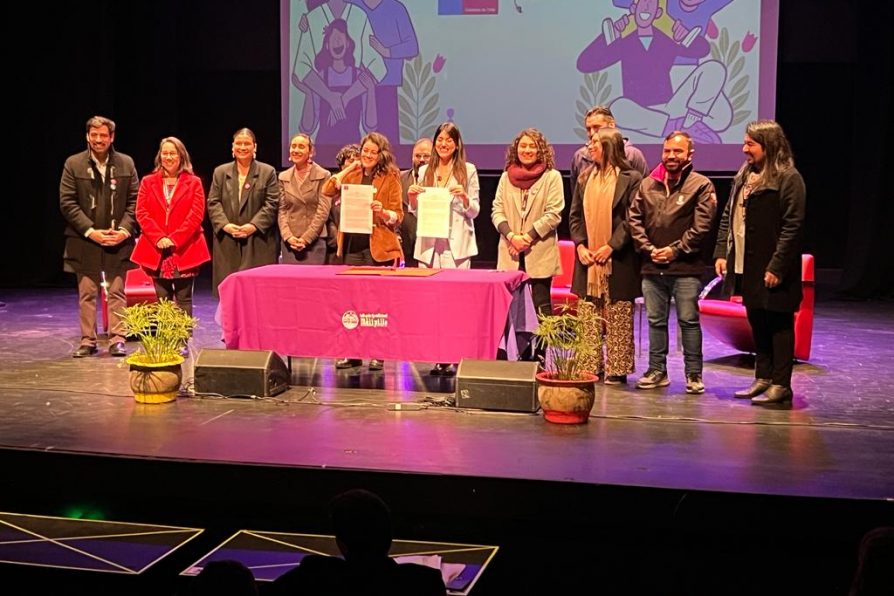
(527, 210)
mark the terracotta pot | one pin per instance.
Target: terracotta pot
(156, 383)
(566, 401)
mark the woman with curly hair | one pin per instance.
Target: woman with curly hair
(527, 210)
(382, 247)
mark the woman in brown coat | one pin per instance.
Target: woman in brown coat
(382, 247)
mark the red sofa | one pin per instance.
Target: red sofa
(726, 320)
(561, 286)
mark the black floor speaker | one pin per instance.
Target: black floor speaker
(241, 373)
(497, 385)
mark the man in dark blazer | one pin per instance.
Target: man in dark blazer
(421, 155)
(97, 196)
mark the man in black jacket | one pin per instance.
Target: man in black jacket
(669, 219)
(97, 196)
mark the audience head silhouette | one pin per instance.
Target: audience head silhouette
(224, 578)
(362, 524)
(875, 568)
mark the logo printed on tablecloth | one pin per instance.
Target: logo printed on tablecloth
(352, 320)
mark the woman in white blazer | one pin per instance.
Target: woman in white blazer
(449, 169)
(527, 210)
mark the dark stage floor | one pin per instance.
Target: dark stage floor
(658, 474)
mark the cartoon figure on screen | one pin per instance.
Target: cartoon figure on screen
(687, 19)
(335, 65)
(395, 39)
(650, 104)
(306, 78)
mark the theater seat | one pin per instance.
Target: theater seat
(561, 286)
(726, 320)
(138, 288)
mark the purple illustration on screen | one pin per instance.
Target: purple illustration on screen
(690, 18)
(650, 104)
(394, 38)
(305, 76)
(335, 65)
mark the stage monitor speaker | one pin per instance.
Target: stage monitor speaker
(497, 385)
(241, 373)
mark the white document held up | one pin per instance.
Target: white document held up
(356, 211)
(433, 213)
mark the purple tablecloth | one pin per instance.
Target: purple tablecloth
(312, 311)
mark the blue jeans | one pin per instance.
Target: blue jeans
(657, 291)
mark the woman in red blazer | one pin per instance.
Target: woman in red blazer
(170, 209)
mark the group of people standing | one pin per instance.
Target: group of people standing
(636, 233)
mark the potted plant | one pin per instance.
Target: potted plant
(566, 387)
(162, 328)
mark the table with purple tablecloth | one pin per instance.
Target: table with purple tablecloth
(318, 311)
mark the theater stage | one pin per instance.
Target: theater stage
(660, 492)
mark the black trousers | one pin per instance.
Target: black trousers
(774, 341)
(179, 290)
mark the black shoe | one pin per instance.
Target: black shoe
(84, 351)
(117, 349)
(442, 369)
(616, 380)
(776, 394)
(376, 364)
(348, 362)
(757, 387)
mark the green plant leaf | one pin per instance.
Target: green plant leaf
(406, 134)
(429, 86)
(411, 72)
(715, 52)
(740, 101)
(417, 66)
(585, 93)
(738, 65)
(741, 116)
(431, 103)
(606, 93)
(580, 132)
(738, 86)
(404, 104)
(581, 107)
(724, 41)
(733, 52)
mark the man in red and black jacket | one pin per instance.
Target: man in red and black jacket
(669, 220)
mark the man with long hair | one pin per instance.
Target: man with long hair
(759, 253)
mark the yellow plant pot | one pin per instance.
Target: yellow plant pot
(566, 401)
(155, 383)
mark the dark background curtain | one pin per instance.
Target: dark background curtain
(200, 70)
